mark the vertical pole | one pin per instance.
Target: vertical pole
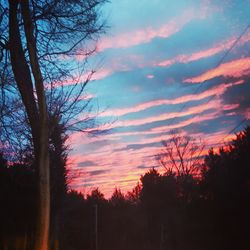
(96, 228)
(162, 237)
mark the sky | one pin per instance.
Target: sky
(162, 65)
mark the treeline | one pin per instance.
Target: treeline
(164, 211)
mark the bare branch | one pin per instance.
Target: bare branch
(181, 155)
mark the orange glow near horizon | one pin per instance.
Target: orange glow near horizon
(129, 177)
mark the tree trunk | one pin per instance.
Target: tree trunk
(22, 74)
(39, 123)
(42, 237)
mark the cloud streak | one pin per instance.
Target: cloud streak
(217, 90)
(137, 37)
(236, 69)
(218, 48)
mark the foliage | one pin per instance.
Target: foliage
(164, 211)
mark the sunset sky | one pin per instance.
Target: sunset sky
(163, 65)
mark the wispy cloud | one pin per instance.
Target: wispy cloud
(196, 119)
(236, 68)
(118, 65)
(217, 90)
(163, 129)
(117, 136)
(110, 175)
(167, 116)
(137, 37)
(216, 49)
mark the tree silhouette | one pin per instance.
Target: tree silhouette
(17, 211)
(226, 187)
(134, 195)
(181, 155)
(95, 197)
(36, 34)
(117, 199)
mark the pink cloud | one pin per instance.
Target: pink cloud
(230, 106)
(86, 97)
(100, 74)
(121, 171)
(193, 110)
(157, 130)
(216, 104)
(150, 76)
(235, 68)
(137, 37)
(218, 48)
(217, 139)
(117, 64)
(162, 129)
(116, 176)
(247, 113)
(110, 159)
(196, 119)
(81, 78)
(217, 90)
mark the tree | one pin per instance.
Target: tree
(58, 152)
(17, 193)
(96, 197)
(117, 199)
(36, 112)
(134, 196)
(226, 190)
(181, 155)
(35, 35)
(227, 173)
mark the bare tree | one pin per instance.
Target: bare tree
(38, 41)
(181, 155)
(63, 31)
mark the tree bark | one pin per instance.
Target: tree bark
(38, 117)
(22, 73)
(42, 237)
